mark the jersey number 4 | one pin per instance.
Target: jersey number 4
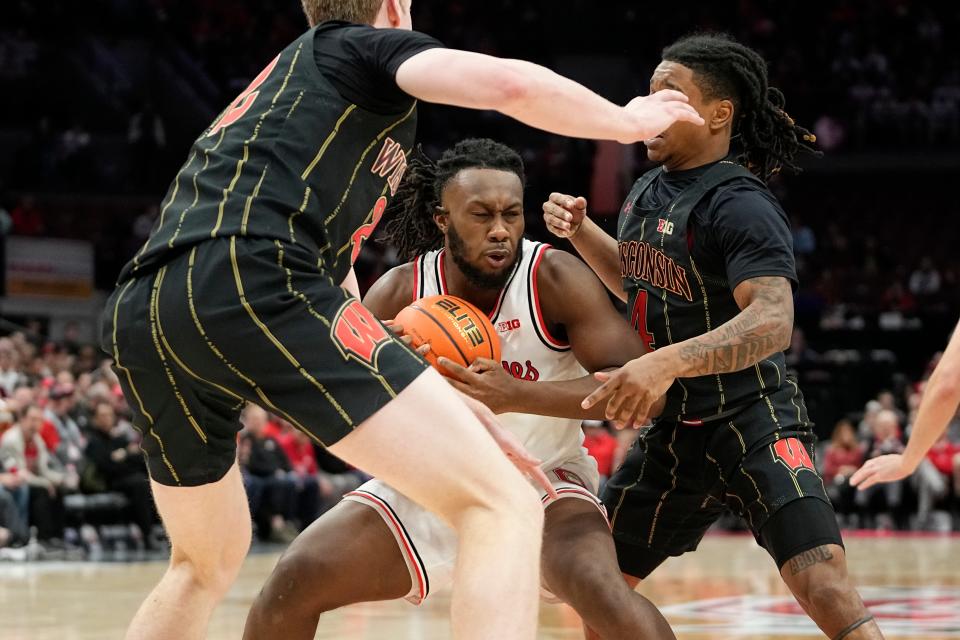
(244, 101)
(638, 320)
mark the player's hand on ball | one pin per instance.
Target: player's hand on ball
(510, 445)
(564, 214)
(889, 468)
(485, 380)
(649, 116)
(633, 391)
(397, 328)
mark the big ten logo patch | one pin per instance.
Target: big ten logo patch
(357, 334)
(521, 372)
(465, 324)
(664, 227)
(508, 325)
(791, 453)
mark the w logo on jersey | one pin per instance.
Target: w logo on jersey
(664, 227)
(791, 453)
(392, 160)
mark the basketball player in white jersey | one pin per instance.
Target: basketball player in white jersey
(462, 221)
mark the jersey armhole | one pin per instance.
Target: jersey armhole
(417, 262)
(538, 322)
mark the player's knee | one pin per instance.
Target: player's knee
(830, 597)
(300, 584)
(510, 501)
(212, 572)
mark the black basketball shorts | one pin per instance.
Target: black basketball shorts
(678, 479)
(236, 320)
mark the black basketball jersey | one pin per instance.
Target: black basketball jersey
(672, 298)
(289, 159)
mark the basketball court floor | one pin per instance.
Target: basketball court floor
(726, 589)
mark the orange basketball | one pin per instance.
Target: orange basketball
(452, 327)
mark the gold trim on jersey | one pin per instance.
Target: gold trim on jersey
(706, 313)
(743, 447)
(273, 339)
(326, 143)
(623, 492)
(666, 314)
(296, 103)
(229, 365)
(363, 157)
(673, 484)
(155, 333)
(303, 207)
(246, 145)
(163, 211)
(246, 207)
(196, 190)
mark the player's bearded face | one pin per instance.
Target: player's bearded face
(478, 275)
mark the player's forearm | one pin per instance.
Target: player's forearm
(941, 396)
(549, 101)
(558, 399)
(599, 250)
(757, 332)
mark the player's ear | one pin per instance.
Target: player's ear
(394, 12)
(442, 218)
(722, 115)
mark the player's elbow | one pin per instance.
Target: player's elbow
(510, 90)
(946, 387)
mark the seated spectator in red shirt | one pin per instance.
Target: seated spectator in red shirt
(887, 498)
(600, 443)
(304, 472)
(934, 475)
(843, 456)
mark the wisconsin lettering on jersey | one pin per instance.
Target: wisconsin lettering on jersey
(391, 160)
(642, 261)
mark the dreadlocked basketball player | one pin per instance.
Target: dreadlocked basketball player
(461, 222)
(704, 259)
(235, 298)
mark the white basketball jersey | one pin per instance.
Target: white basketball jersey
(529, 352)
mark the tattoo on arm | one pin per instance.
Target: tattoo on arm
(807, 559)
(762, 328)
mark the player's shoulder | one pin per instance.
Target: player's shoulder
(392, 291)
(398, 275)
(562, 272)
(741, 197)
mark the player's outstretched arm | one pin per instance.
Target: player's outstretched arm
(566, 217)
(763, 327)
(941, 397)
(537, 96)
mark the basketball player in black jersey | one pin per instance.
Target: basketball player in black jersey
(236, 297)
(374, 545)
(704, 260)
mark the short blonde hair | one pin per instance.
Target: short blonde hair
(358, 11)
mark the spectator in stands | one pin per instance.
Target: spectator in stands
(925, 280)
(600, 444)
(885, 499)
(27, 218)
(10, 375)
(62, 402)
(843, 456)
(14, 502)
(119, 466)
(25, 453)
(264, 466)
(933, 478)
(304, 472)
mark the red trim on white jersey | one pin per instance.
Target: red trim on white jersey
(575, 492)
(416, 278)
(406, 546)
(442, 271)
(538, 315)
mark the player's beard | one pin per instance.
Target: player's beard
(475, 276)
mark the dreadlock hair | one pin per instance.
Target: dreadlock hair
(411, 228)
(769, 138)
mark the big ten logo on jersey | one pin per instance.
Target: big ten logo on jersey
(465, 324)
(357, 334)
(664, 227)
(791, 453)
(521, 372)
(508, 325)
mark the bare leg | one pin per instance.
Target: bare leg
(348, 555)
(209, 530)
(819, 581)
(580, 566)
(430, 447)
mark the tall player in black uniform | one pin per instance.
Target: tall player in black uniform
(236, 298)
(704, 260)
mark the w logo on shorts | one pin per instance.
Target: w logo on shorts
(793, 454)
